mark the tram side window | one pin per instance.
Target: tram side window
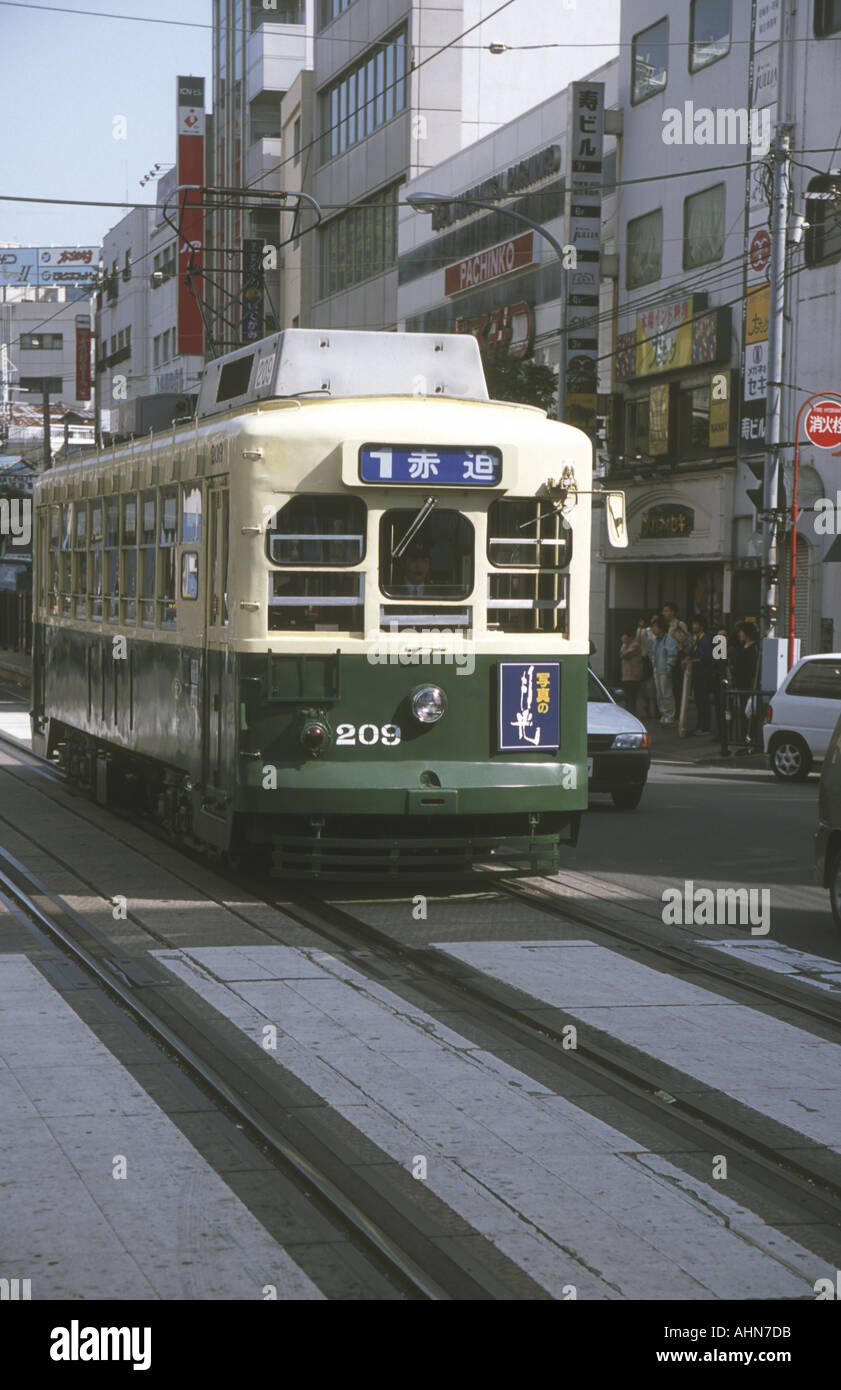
(81, 548)
(66, 572)
(148, 555)
(190, 513)
(438, 561)
(312, 536)
(112, 558)
(53, 584)
(129, 553)
(533, 543)
(95, 561)
(190, 574)
(168, 539)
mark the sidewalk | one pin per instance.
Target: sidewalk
(668, 747)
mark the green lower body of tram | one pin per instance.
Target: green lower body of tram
(223, 747)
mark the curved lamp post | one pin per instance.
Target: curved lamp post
(428, 202)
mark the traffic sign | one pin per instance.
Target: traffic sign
(823, 424)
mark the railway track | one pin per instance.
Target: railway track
(801, 1182)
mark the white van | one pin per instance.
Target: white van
(802, 715)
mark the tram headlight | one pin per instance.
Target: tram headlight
(428, 704)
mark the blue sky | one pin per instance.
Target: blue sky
(64, 79)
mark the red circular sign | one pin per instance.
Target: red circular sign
(760, 250)
(823, 424)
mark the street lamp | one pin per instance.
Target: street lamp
(428, 202)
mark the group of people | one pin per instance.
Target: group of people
(654, 658)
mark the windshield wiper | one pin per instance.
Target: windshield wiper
(416, 525)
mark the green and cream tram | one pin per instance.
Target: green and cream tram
(341, 615)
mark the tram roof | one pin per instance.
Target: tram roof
(338, 363)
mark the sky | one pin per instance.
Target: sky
(65, 77)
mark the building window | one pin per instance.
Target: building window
(823, 236)
(649, 61)
(636, 427)
(127, 265)
(328, 10)
(827, 18)
(296, 141)
(359, 243)
(293, 12)
(709, 32)
(165, 346)
(644, 249)
(366, 96)
(703, 227)
(41, 342)
(694, 418)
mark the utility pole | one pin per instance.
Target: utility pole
(771, 516)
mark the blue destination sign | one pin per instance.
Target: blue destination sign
(529, 705)
(424, 464)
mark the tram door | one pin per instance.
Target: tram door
(217, 617)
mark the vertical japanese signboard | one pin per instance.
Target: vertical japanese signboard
(583, 223)
(190, 157)
(83, 357)
(252, 290)
(766, 27)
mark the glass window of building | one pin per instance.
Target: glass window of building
(636, 427)
(703, 227)
(709, 32)
(369, 93)
(827, 18)
(359, 243)
(823, 235)
(649, 61)
(644, 249)
(694, 418)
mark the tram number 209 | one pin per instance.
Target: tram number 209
(348, 735)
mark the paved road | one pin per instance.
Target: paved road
(718, 827)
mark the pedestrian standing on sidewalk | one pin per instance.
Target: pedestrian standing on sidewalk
(630, 659)
(745, 666)
(700, 663)
(679, 634)
(664, 659)
(721, 649)
(646, 694)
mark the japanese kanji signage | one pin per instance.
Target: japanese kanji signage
(413, 464)
(823, 424)
(83, 357)
(190, 167)
(529, 706)
(252, 290)
(666, 522)
(585, 140)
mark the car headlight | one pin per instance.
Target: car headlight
(428, 704)
(631, 741)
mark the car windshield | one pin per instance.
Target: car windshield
(596, 693)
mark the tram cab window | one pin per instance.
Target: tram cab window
(310, 537)
(532, 541)
(318, 529)
(112, 558)
(95, 576)
(437, 563)
(129, 554)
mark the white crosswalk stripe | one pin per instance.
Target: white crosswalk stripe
(818, 971)
(778, 1070)
(170, 1229)
(568, 1197)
